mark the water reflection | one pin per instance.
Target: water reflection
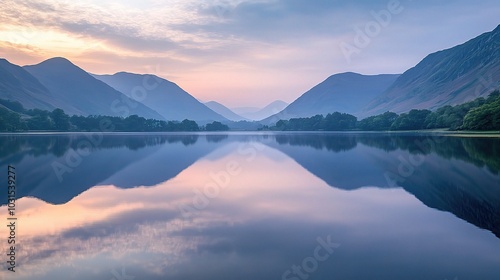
(335, 143)
(435, 169)
(122, 206)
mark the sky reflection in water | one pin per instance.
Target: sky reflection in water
(120, 210)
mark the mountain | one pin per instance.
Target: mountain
(467, 187)
(167, 98)
(345, 92)
(47, 176)
(257, 114)
(447, 77)
(224, 111)
(81, 94)
(16, 84)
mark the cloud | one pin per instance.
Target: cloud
(271, 21)
(125, 37)
(123, 223)
(224, 29)
(291, 43)
(124, 28)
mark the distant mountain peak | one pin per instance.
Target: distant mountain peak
(58, 61)
(224, 111)
(59, 58)
(345, 74)
(58, 65)
(345, 92)
(257, 114)
(17, 84)
(77, 92)
(124, 74)
(277, 102)
(162, 95)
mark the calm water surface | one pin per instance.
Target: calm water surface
(254, 206)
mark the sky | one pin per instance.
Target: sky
(240, 52)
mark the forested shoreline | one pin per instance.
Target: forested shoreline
(481, 114)
(16, 119)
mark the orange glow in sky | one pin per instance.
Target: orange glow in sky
(237, 52)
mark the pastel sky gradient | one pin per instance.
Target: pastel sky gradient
(238, 52)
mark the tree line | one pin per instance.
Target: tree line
(331, 122)
(479, 114)
(14, 117)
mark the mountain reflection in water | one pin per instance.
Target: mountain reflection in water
(122, 196)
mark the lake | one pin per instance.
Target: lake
(253, 206)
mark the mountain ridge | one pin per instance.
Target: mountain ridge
(346, 92)
(166, 97)
(224, 111)
(82, 94)
(258, 114)
(17, 84)
(447, 77)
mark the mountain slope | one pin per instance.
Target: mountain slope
(16, 84)
(447, 77)
(344, 92)
(167, 98)
(136, 161)
(81, 94)
(224, 111)
(463, 188)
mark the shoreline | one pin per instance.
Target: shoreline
(485, 134)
